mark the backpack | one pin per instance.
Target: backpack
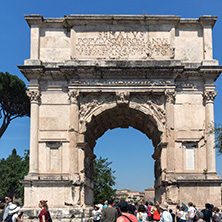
(9, 218)
(152, 210)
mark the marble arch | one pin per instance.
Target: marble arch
(89, 73)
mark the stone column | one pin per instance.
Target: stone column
(34, 128)
(209, 123)
(73, 132)
(170, 99)
(81, 156)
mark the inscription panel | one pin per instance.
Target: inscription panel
(112, 44)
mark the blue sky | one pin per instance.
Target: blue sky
(128, 149)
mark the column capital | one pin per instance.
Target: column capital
(34, 96)
(170, 96)
(209, 96)
(73, 96)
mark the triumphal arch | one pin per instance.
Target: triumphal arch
(91, 73)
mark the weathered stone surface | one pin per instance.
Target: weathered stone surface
(89, 74)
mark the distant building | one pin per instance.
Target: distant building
(147, 195)
(122, 194)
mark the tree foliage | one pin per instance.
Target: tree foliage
(104, 179)
(14, 101)
(218, 138)
(12, 170)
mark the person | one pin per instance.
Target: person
(44, 215)
(2, 206)
(109, 213)
(8, 200)
(172, 215)
(96, 213)
(100, 204)
(142, 214)
(177, 213)
(125, 217)
(165, 215)
(146, 205)
(105, 204)
(182, 215)
(216, 217)
(195, 217)
(200, 217)
(14, 213)
(116, 206)
(207, 213)
(151, 210)
(191, 212)
(156, 214)
(131, 208)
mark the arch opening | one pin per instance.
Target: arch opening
(130, 152)
(123, 117)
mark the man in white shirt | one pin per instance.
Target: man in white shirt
(165, 216)
(8, 200)
(191, 212)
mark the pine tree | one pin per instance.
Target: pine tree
(103, 180)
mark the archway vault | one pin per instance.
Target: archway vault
(144, 112)
(123, 117)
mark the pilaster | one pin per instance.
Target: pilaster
(73, 134)
(170, 100)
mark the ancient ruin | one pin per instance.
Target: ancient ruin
(91, 73)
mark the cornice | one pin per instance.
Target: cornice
(75, 20)
(119, 70)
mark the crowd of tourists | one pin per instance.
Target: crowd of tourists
(11, 212)
(122, 211)
(142, 212)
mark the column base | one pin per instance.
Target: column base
(189, 187)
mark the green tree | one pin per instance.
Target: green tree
(12, 170)
(218, 138)
(103, 180)
(14, 101)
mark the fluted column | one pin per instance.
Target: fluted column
(170, 99)
(34, 128)
(209, 121)
(73, 132)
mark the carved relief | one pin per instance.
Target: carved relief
(88, 163)
(153, 104)
(122, 45)
(170, 96)
(34, 96)
(73, 97)
(122, 97)
(172, 194)
(126, 82)
(90, 104)
(209, 96)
